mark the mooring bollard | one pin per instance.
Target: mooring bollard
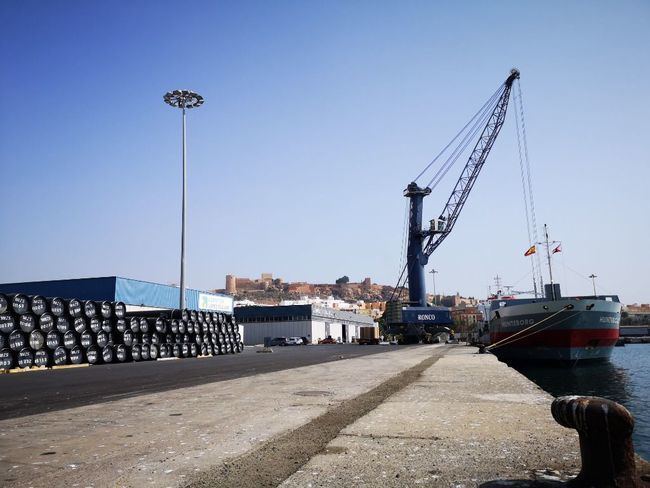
(605, 431)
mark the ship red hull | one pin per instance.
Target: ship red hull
(562, 338)
(568, 329)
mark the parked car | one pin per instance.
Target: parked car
(293, 341)
(278, 341)
(327, 340)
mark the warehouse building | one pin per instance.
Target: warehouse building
(136, 294)
(308, 321)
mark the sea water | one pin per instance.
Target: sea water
(625, 378)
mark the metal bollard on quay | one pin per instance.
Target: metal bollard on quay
(605, 431)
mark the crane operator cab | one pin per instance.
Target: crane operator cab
(437, 225)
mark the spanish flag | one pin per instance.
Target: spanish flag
(531, 250)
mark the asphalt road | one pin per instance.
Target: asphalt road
(35, 392)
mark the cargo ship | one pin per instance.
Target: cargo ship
(553, 328)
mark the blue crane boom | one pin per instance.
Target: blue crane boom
(418, 251)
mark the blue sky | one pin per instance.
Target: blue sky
(317, 115)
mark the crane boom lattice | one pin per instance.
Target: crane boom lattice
(472, 169)
(492, 115)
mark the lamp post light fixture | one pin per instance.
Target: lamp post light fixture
(183, 99)
(593, 281)
(433, 275)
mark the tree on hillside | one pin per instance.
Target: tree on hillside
(343, 280)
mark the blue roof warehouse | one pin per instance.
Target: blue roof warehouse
(117, 289)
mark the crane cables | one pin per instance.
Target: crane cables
(403, 264)
(475, 124)
(405, 234)
(526, 185)
(466, 135)
(401, 281)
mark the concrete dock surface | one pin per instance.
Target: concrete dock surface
(420, 416)
(467, 420)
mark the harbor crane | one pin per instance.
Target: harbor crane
(414, 319)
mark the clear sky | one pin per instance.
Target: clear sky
(317, 115)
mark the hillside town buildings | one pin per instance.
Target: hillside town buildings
(636, 314)
(270, 290)
(363, 298)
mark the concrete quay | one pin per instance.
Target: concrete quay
(469, 419)
(419, 416)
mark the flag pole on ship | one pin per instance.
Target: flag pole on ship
(548, 256)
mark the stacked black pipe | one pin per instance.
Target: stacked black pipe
(38, 331)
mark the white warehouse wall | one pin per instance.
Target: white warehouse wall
(353, 332)
(255, 332)
(317, 331)
(336, 331)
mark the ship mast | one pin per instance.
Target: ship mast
(497, 283)
(548, 256)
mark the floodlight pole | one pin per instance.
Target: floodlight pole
(183, 99)
(182, 299)
(433, 275)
